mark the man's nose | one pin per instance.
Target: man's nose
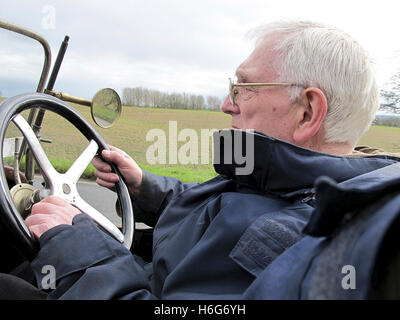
(228, 108)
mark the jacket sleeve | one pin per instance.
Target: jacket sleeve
(155, 194)
(89, 264)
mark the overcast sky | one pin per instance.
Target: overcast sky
(172, 45)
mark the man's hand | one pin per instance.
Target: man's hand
(49, 213)
(126, 166)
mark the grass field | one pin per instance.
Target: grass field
(386, 138)
(129, 134)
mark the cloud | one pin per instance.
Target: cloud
(164, 45)
(177, 45)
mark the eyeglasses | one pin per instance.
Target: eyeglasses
(234, 92)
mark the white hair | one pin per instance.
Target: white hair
(312, 54)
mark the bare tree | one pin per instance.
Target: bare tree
(391, 95)
(214, 103)
(128, 98)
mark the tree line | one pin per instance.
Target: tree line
(142, 97)
(387, 120)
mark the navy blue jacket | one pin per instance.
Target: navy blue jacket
(211, 240)
(353, 232)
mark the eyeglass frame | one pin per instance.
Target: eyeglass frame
(232, 85)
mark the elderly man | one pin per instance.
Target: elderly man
(309, 93)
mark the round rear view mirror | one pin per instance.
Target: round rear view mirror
(106, 107)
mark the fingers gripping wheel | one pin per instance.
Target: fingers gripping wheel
(62, 185)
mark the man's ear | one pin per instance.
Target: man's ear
(311, 114)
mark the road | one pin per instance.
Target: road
(100, 198)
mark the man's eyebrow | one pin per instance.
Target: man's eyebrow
(241, 76)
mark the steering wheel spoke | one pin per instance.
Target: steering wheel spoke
(83, 161)
(99, 218)
(48, 170)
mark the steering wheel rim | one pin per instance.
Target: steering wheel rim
(9, 111)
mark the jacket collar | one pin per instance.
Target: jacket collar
(336, 200)
(281, 168)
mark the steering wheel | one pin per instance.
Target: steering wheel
(62, 185)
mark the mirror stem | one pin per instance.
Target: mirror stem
(67, 97)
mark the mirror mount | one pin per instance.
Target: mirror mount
(105, 107)
(69, 98)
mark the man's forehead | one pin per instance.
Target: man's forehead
(259, 63)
